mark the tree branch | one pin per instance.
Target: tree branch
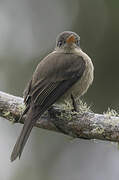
(87, 125)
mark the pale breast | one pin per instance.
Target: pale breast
(80, 88)
(86, 80)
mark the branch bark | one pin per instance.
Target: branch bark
(86, 126)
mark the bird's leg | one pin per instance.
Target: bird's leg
(51, 112)
(74, 103)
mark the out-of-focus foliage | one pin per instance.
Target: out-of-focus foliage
(27, 33)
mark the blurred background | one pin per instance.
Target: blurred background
(27, 33)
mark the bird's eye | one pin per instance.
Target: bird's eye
(78, 42)
(59, 43)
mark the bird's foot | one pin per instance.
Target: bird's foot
(51, 112)
(75, 106)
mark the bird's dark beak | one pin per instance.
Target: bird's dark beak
(71, 39)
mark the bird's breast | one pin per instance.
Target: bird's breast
(82, 85)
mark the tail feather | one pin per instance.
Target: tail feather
(30, 121)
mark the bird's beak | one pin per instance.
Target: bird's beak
(71, 39)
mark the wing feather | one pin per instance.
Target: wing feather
(46, 87)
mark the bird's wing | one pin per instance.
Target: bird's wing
(50, 81)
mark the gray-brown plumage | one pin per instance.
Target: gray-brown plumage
(65, 72)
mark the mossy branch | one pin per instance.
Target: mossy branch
(84, 124)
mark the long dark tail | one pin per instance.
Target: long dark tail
(31, 118)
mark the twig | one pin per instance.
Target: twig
(87, 125)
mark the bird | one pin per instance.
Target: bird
(65, 73)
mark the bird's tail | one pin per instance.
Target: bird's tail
(31, 118)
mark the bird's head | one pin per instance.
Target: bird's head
(67, 41)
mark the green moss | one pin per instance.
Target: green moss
(83, 107)
(8, 115)
(98, 130)
(111, 112)
(21, 107)
(65, 115)
(68, 113)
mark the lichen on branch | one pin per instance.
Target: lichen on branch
(83, 124)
